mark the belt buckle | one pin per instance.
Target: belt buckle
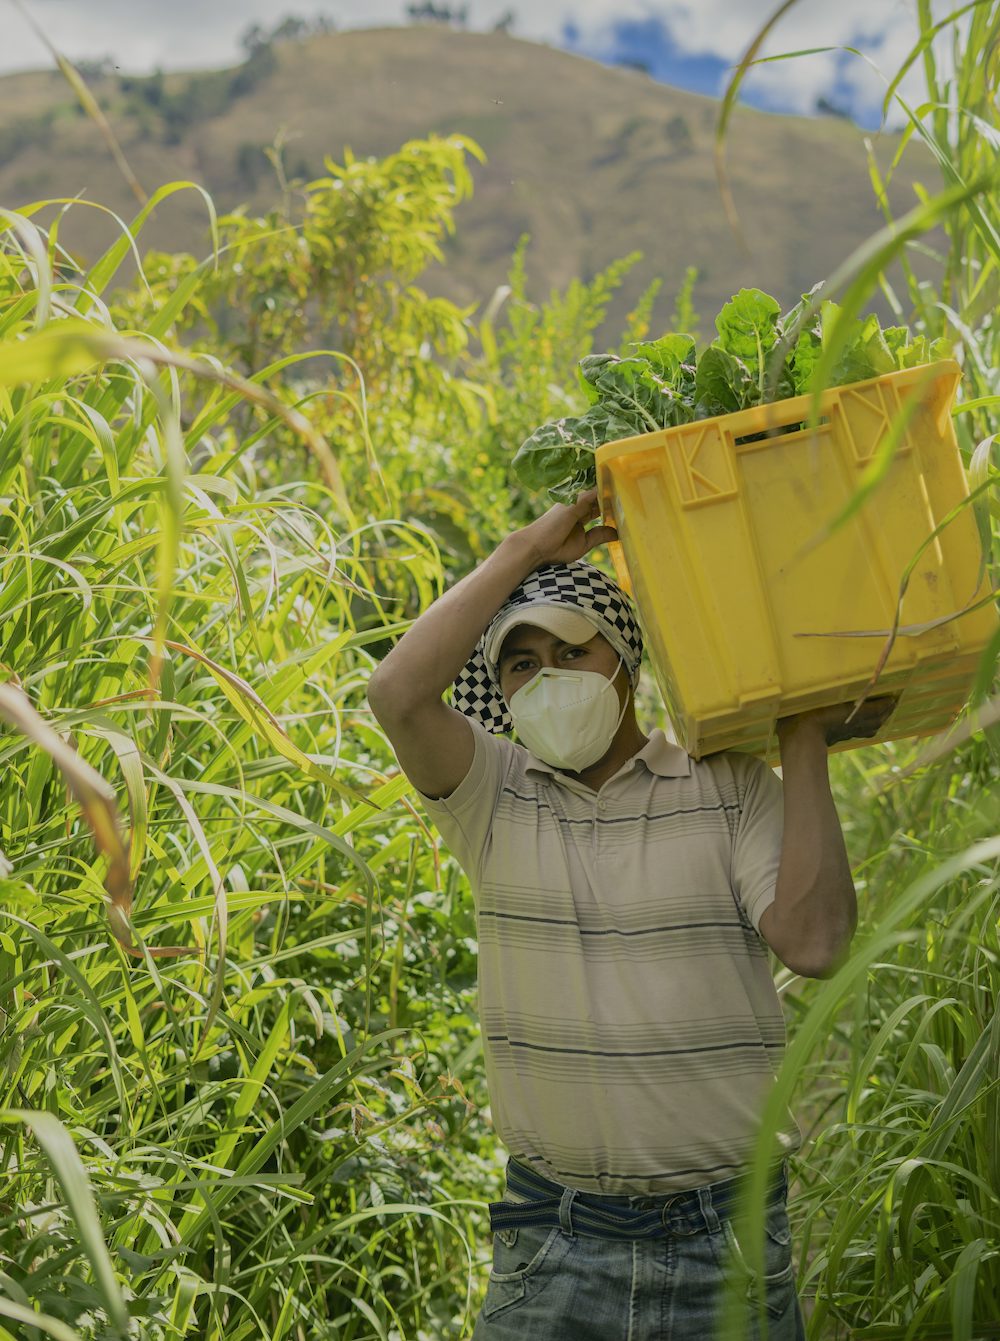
(665, 1208)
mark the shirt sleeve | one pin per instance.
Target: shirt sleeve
(465, 818)
(757, 848)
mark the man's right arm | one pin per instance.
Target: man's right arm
(433, 742)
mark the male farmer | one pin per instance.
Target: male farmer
(626, 896)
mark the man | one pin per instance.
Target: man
(626, 896)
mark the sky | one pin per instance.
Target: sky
(691, 43)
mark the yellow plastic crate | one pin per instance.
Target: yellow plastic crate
(721, 544)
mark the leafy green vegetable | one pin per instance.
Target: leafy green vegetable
(556, 453)
(671, 357)
(758, 355)
(723, 383)
(749, 325)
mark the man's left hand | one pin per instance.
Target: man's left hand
(833, 721)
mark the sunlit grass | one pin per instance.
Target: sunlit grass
(185, 1137)
(893, 1064)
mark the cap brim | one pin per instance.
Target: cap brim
(572, 626)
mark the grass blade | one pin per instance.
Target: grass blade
(75, 1186)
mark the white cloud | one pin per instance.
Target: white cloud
(143, 34)
(883, 33)
(178, 34)
(883, 29)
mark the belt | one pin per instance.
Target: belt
(657, 1215)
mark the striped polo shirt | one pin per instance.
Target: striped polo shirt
(631, 1026)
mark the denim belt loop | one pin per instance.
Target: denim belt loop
(708, 1210)
(566, 1210)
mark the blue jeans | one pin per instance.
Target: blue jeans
(658, 1268)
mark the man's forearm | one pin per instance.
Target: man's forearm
(434, 649)
(815, 909)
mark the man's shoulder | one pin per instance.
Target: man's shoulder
(732, 771)
(501, 747)
(492, 758)
(733, 763)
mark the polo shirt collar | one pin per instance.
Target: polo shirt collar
(658, 754)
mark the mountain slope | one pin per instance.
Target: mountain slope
(592, 162)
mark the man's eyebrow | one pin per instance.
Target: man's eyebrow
(516, 652)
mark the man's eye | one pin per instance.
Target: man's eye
(520, 666)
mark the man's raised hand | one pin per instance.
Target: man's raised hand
(561, 535)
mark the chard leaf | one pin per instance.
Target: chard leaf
(723, 383)
(854, 365)
(548, 456)
(864, 355)
(794, 316)
(588, 389)
(749, 326)
(805, 356)
(923, 350)
(590, 368)
(569, 490)
(563, 451)
(601, 424)
(779, 381)
(897, 338)
(672, 357)
(877, 347)
(634, 393)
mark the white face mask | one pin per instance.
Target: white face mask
(568, 718)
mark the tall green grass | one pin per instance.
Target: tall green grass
(211, 1124)
(242, 1093)
(894, 1064)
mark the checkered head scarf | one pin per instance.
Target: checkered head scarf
(582, 588)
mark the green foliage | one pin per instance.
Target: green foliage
(335, 270)
(528, 349)
(685, 317)
(428, 12)
(758, 356)
(289, 28)
(261, 1046)
(198, 598)
(894, 1063)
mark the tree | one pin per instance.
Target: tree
(291, 29)
(678, 132)
(825, 107)
(253, 38)
(96, 68)
(428, 12)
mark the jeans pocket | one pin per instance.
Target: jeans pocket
(775, 1288)
(524, 1262)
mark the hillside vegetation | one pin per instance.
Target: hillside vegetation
(592, 162)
